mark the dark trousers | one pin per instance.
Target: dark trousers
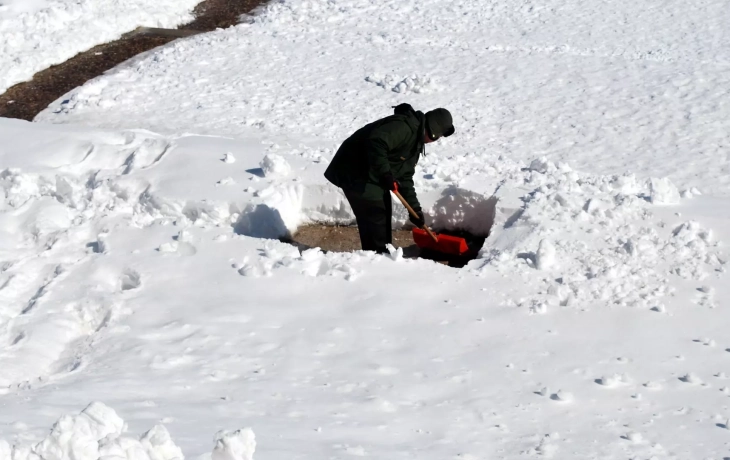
(373, 220)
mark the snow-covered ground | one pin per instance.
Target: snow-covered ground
(36, 34)
(139, 264)
(609, 87)
(591, 326)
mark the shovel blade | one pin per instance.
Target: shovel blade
(446, 243)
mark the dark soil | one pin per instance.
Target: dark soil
(26, 100)
(220, 14)
(346, 239)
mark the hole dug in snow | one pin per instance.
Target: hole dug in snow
(458, 213)
(331, 238)
(315, 217)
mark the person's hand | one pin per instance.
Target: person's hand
(419, 221)
(388, 182)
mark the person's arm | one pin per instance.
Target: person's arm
(408, 191)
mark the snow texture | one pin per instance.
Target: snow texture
(139, 264)
(110, 241)
(36, 34)
(275, 166)
(239, 445)
(608, 88)
(98, 433)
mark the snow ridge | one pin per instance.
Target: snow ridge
(597, 239)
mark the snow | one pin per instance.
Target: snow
(239, 445)
(663, 191)
(606, 88)
(275, 166)
(35, 34)
(97, 432)
(130, 272)
(140, 263)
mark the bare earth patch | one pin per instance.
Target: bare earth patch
(347, 239)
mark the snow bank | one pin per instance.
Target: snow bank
(98, 433)
(598, 239)
(37, 34)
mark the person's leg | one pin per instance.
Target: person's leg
(373, 221)
(359, 208)
(388, 205)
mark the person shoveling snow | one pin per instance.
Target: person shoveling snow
(379, 158)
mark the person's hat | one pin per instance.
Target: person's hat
(439, 123)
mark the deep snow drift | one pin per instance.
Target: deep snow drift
(36, 34)
(134, 272)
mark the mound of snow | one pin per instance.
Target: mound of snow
(603, 234)
(97, 433)
(237, 445)
(275, 166)
(663, 191)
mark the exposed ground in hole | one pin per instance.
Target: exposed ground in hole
(347, 239)
(26, 100)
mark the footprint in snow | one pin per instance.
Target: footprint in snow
(18, 339)
(633, 437)
(218, 375)
(725, 426)
(226, 181)
(613, 381)
(562, 396)
(178, 247)
(691, 378)
(130, 279)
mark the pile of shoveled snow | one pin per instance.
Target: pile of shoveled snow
(98, 433)
(596, 239)
(37, 34)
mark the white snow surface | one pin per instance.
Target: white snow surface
(98, 433)
(609, 87)
(36, 34)
(140, 263)
(139, 269)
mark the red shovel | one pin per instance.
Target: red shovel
(426, 239)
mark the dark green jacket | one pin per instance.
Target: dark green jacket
(392, 144)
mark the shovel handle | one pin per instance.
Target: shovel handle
(413, 213)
